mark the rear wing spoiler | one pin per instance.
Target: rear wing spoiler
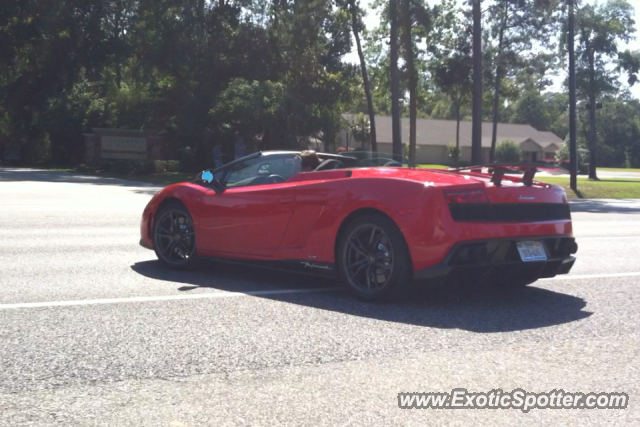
(499, 170)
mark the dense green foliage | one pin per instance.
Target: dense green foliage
(525, 43)
(275, 71)
(508, 151)
(197, 71)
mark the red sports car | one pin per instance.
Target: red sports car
(375, 225)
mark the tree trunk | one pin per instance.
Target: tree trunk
(498, 84)
(496, 114)
(592, 116)
(395, 83)
(200, 13)
(408, 50)
(116, 38)
(365, 77)
(476, 132)
(457, 105)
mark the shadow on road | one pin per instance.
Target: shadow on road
(628, 206)
(484, 310)
(37, 175)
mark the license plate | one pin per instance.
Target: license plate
(531, 251)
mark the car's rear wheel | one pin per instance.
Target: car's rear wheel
(174, 239)
(373, 259)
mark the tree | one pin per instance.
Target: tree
(170, 65)
(407, 21)
(35, 83)
(563, 156)
(117, 22)
(599, 29)
(476, 131)
(452, 62)
(453, 151)
(533, 110)
(395, 82)
(356, 26)
(416, 20)
(629, 63)
(360, 129)
(508, 151)
(377, 55)
(515, 26)
(618, 138)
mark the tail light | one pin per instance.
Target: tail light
(465, 196)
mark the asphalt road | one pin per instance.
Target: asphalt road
(94, 332)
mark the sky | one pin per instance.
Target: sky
(372, 20)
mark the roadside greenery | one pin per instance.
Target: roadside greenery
(276, 72)
(508, 151)
(605, 188)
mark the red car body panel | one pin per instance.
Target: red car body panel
(300, 218)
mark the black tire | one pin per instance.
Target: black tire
(388, 254)
(174, 239)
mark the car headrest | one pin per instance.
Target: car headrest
(329, 164)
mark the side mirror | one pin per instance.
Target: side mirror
(208, 178)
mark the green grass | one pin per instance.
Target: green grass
(620, 169)
(433, 166)
(611, 188)
(55, 168)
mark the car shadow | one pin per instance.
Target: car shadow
(482, 310)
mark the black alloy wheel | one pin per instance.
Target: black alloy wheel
(373, 259)
(174, 239)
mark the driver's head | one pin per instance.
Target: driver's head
(310, 160)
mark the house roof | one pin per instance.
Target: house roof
(553, 138)
(443, 132)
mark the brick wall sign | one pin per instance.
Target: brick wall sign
(123, 144)
(124, 147)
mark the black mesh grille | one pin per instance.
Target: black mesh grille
(509, 212)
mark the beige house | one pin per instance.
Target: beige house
(433, 136)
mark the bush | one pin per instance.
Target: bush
(106, 166)
(453, 152)
(122, 167)
(162, 166)
(508, 152)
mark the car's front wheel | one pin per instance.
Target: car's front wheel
(373, 259)
(174, 239)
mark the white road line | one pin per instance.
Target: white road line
(162, 298)
(244, 294)
(592, 276)
(578, 239)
